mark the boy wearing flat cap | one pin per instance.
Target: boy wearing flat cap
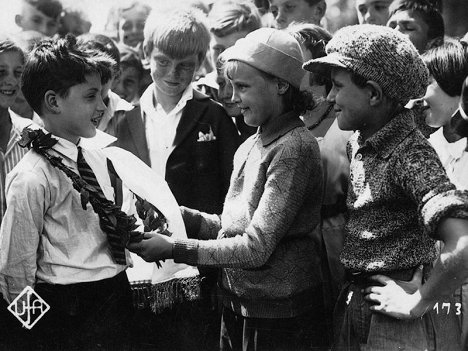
(399, 200)
(263, 243)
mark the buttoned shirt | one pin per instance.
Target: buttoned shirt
(46, 236)
(12, 155)
(454, 158)
(160, 127)
(398, 193)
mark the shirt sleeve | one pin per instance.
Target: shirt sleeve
(288, 180)
(20, 232)
(422, 175)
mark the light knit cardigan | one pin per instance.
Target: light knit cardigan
(270, 259)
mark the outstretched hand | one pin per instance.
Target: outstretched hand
(396, 298)
(153, 247)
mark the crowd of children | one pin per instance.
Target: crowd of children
(320, 177)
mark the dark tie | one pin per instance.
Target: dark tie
(114, 239)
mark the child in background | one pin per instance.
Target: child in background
(40, 15)
(270, 281)
(373, 11)
(286, 12)
(116, 106)
(11, 124)
(420, 20)
(127, 86)
(399, 200)
(48, 240)
(74, 20)
(228, 21)
(27, 40)
(128, 22)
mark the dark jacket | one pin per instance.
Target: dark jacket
(198, 173)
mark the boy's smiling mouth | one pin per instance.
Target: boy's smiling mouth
(8, 92)
(96, 120)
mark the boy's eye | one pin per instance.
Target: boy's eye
(187, 66)
(289, 8)
(163, 62)
(362, 10)
(18, 73)
(380, 8)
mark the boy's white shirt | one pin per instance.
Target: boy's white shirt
(453, 156)
(160, 127)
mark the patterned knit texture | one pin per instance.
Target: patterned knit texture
(380, 54)
(270, 259)
(398, 193)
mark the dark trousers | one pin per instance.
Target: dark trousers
(84, 316)
(304, 332)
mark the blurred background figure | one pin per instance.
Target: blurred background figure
(420, 20)
(287, 11)
(373, 11)
(228, 21)
(128, 84)
(128, 22)
(40, 15)
(26, 40)
(74, 20)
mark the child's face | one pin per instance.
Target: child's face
(439, 106)
(287, 11)
(33, 19)
(219, 44)
(373, 11)
(256, 96)
(171, 76)
(11, 67)
(351, 102)
(128, 84)
(80, 111)
(412, 25)
(225, 95)
(131, 26)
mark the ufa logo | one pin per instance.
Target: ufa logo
(28, 307)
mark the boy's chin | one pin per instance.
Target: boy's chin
(90, 133)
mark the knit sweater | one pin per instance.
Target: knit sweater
(264, 245)
(398, 193)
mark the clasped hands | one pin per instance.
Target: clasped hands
(153, 247)
(396, 298)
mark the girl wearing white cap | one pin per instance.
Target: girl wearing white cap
(270, 277)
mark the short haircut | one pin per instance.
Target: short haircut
(129, 57)
(179, 33)
(448, 64)
(101, 43)
(58, 65)
(231, 16)
(9, 45)
(50, 8)
(428, 13)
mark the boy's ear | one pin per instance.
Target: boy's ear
(375, 93)
(50, 102)
(283, 86)
(18, 19)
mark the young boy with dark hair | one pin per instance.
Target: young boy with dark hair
(420, 20)
(40, 15)
(373, 11)
(399, 200)
(128, 84)
(50, 240)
